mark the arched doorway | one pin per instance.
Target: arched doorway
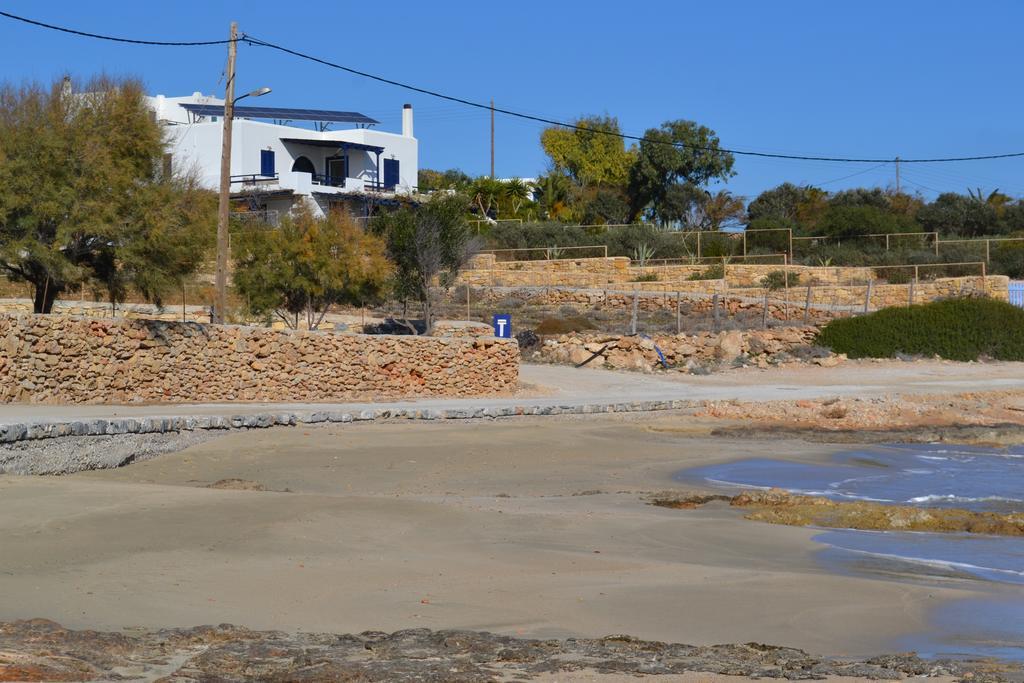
(303, 165)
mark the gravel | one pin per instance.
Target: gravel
(77, 453)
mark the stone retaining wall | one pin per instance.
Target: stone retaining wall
(784, 303)
(601, 272)
(60, 359)
(680, 351)
(95, 309)
(507, 299)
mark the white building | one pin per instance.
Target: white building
(276, 163)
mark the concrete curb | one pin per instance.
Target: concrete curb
(34, 431)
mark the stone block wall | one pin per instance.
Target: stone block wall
(584, 300)
(641, 353)
(93, 309)
(62, 359)
(608, 272)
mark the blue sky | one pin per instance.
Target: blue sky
(864, 78)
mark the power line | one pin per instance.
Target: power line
(252, 40)
(852, 175)
(116, 39)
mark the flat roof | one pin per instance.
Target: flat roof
(335, 144)
(283, 113)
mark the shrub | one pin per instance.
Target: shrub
(564, 325)
(957, 329)
(895, 276)
(779, 279)
(1008, 259)
(646, 277)
(715, 272)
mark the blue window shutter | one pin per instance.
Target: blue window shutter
(266, 162)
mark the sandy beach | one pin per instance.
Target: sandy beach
(521, 527)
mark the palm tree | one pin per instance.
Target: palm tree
(486, 192)
(552, 193)
(996, 199)
(517, 193)
(721, 208)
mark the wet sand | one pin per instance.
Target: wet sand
(535, 528)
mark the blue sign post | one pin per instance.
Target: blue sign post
(502, 325)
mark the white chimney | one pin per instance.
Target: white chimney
(407, 120)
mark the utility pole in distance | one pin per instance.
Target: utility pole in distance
(220, 303)
(897, 175)
(492, 138)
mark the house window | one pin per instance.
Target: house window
(267, 163)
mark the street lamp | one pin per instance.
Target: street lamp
(220, 304)
(255, 93)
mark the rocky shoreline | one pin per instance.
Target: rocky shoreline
(42, 650)
(780, 507)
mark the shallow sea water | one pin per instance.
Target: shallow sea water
(925, 476)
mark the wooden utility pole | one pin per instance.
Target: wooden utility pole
(220, 304)
(897, 175)
(492, 138)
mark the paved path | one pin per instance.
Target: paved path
(566, 387)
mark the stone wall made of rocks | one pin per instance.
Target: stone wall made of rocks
(784, 304)
(61, 359)
(680, 351)
(95, 309)
(583, 300)
(602, 272)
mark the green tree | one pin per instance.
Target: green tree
(429, 245)
(487, 193)
(429, 180)
(85, 196)
(674, 162)
(518, 193)
(855, 220)
(603, 205)
(307, 265)
(964, 215)
(552, 195)
(717, 210)
(591, 154)
(788, 205)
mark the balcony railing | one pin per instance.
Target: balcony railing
(253, 178)
(329, 180)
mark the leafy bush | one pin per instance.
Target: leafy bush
(779, 279)
(646, 277)
(957, 329)
(1008, 259)
(564, 325)
(715, 272)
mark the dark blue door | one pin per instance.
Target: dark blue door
(390, 173)
(267, 162)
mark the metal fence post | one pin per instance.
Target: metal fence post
(679, 313)
(764, 313)
(910, 295)
(867, 295)
(636, 312)
(807, 305)
(714, 312)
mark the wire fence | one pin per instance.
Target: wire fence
(701, 244)
(548, 253)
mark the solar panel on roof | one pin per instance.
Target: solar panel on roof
(281, 113)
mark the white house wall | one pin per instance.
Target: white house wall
(196, 147)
